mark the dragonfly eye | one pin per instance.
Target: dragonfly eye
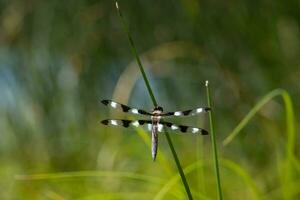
(159, 108)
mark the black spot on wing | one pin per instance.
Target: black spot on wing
(183, 128)
(105, 102)
(125, 108)
(105, 122)
(168, 124)
(143, 112)
(187, 112)
(170, 113)
(204, 132)
(141, 122)
(126, 123)
(207, 109)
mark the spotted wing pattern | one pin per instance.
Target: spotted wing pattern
(126, 123)
(148, 124)
(183, 128)
(124, 108)
(191, 112)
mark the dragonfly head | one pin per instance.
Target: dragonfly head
(158, 108)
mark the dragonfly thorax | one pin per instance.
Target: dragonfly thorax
(158, 109)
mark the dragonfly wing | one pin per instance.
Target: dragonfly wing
(127, 123)
(149, 126)
(124, 108)
(183, 128)
(191, 112)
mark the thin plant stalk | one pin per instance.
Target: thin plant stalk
(180, 170)
(290, 129)
(134, 51)
(214, 144)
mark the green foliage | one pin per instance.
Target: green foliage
(59, 58)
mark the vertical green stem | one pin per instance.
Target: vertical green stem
(134, 51)
(180, 170)
(214, 144)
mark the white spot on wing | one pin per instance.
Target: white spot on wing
(195, 130)
(135, 123)
(160, 127)
(177, 113)
(174, 127)
(199, 110)
(113, 104)
(114, 122)
(135, 111)
(149, 127)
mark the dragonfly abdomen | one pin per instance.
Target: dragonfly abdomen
(154, 136)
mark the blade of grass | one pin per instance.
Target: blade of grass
(173, 180)
(180, 170)
(245, 177)
(84, 174)
(201, 185)
(290, 125)
(275, 193)
(228, 164)
(289, 118)
(134, 51)
(214, 143)
(117, 195)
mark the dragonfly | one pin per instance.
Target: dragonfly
(156, 122)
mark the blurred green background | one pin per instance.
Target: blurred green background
(58, 59)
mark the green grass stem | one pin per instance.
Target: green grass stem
(134, 51)
(85, 174)
(214, 143)
(138, 60)
(173, 180)
(180, 170)
(247, 179)
(290, 126)
(228, 164)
